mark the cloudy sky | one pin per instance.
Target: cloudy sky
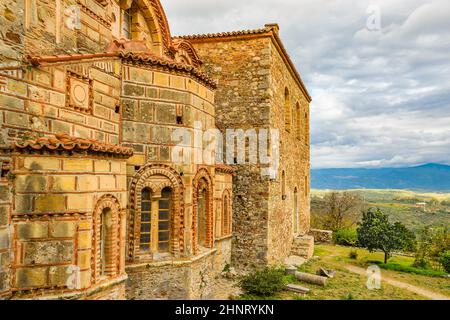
(378, 71)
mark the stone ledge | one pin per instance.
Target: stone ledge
(77, 295)
(173, 262)
(224, 238)
(322, 236)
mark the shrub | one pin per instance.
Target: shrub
(433, 243)
(346, 237)
(263, 283)
(409, 269)
(445, 260)
(353, 254)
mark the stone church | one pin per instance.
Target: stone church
(92, 205)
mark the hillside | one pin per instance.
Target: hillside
(400, 205)
(429, 177)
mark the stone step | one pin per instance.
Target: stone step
(303, 246)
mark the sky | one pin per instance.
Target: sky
(378, 71)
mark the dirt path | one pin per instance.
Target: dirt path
(419, 290)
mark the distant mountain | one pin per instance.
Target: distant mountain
(432, 177)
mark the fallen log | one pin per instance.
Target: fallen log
(311, 278)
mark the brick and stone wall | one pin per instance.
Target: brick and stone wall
(5, 229)
(12, 36)
(322, 236)
(80, 100)
(53, 204)
(241, 70)
(192, 279)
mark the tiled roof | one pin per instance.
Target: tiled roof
(39, 60)
(128, 50)
(64, 142)
(152, 59)
(224, 168)
(225, 34)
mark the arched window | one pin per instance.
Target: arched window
(202, 199)
(295, 213)
(127, 22)
(307, 128)
(105, 240)
(287, 109)
(298, 121)
(219, 220)
(283, 185)
(155, 212)
(226, 216)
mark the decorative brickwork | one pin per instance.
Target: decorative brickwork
(156, 177)
(112, 240)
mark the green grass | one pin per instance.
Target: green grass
(410, 269)
(398, 267)
(350, 286)
(344, 286)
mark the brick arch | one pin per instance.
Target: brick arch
(142, 180)
(185, 49)
(113, 241)
(201, 180)
(157, 23)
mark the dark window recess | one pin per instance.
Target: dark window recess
(4, 170)
(117, 109)
(137, 168)
(179, 120)
(235, 161)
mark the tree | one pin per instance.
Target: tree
(375, 232)
(341, 210)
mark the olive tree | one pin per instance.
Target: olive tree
(375, 232)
